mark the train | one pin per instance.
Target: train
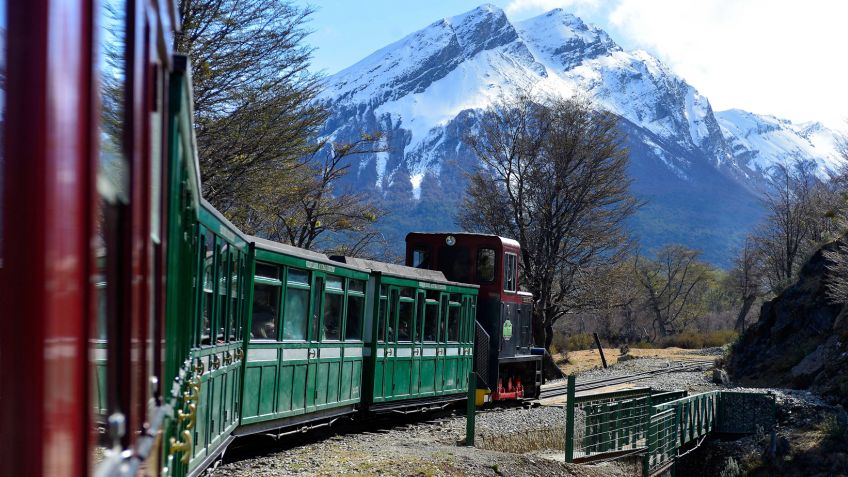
(143, 332)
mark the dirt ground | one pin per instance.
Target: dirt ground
(584, 360)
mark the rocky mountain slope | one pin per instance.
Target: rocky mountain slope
(700, 171)
(800, 339)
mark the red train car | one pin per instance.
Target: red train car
(506, 361)
(81, 219)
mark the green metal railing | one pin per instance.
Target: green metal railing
(656, 424)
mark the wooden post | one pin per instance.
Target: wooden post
(471, 409)
(600, 350)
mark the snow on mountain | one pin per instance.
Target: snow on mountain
(424, 91)
(760, 142)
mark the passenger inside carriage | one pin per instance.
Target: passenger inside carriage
(265, 310)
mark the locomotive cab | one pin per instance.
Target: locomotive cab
(505, 363)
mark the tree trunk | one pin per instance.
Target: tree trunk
(747, 303)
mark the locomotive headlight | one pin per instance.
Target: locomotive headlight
(450, 240)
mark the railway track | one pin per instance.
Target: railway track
(582, 386)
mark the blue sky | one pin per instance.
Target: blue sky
(780, 57)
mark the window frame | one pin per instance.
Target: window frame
(286, 285)
(514, 278)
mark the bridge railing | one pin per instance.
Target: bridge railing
(656, 424)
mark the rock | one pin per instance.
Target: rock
(720, 377)
(815, 361)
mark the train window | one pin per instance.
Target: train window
(443, 335)
(316, 307)
(381, 315)
(421, 258)
(333, 307)
(406, 292)
(419, 315)
(454, 262)
(405, 320)
(453, 322)
(233, 296)
(431, 321)
(223, 285)
(298, 276)
(353, 326)
(112, 208)
(381, 323)
(296, 309)
(357, 286)
(208, 290)
(335, 283)
(266, 308)
(485, 265)
(509, 272)
(267, 270)
(391, 330)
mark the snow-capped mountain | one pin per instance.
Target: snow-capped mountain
(696, 168)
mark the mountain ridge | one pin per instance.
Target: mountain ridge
(424, 92)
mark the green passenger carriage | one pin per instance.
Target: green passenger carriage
(421, 336)
(304, 355)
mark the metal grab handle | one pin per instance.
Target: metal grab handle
(312, 353)
(199, 367)
(191, 416)
(239, 354)
(216, 362)
(183, 446)
(228, 359)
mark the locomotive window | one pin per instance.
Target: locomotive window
(453, 322)
(485, 265)
(333, 305)
(509, 272)
(421, 258)
(353, 326)
(405, 317)
(454, 262)
(266, 308)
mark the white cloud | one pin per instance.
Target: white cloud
(768, 56)
(780, 57)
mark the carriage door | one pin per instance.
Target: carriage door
(403, 349)
(418, 345)
(314, 350)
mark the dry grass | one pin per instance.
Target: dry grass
(584, 360)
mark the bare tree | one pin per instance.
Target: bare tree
(674, 282)
(255, 112)
(554, 177)
(746, 280)
(315, 211)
